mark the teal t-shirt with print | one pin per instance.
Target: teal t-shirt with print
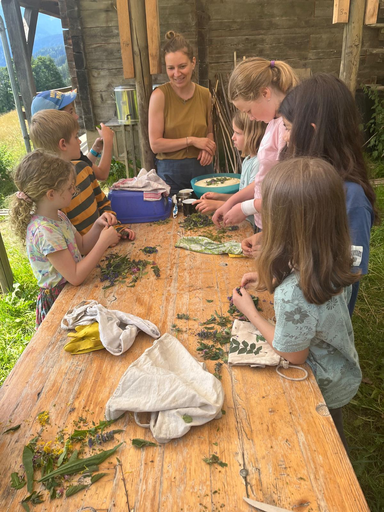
(327, 331)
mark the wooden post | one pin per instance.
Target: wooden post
(352, 39)
(30, 22)
(340, 11)
(6, 276)
(143, 77)
(20, 53)
(125, 38)
(153, 32)
(371, 12)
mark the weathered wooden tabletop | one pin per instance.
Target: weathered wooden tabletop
(280, 444)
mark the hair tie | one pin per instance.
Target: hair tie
(23, 196)
(272, 64)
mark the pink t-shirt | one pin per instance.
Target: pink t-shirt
(271, 145)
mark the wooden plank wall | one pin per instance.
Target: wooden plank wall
(298, 31)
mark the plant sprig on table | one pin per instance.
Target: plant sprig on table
(117, 268)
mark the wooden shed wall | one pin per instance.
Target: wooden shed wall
(297, 31)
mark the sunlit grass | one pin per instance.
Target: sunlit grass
(11, 136)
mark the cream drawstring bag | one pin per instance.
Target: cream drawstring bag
(169, 383)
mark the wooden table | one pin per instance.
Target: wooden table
(280, 444)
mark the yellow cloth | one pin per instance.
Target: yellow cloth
(85, 339)
(185, 119)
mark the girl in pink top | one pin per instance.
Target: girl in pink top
(257, 87)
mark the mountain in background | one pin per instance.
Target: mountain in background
(48, 40)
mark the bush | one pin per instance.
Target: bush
(375, 127)
(7, 186)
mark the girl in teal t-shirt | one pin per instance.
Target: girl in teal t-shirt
(306, 261)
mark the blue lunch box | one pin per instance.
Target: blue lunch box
(131, 208)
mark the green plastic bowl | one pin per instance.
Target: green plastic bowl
(229, 189)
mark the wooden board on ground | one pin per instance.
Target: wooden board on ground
(277, 438)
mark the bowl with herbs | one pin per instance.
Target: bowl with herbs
(223, 183)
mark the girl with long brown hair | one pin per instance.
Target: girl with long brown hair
(305, 261)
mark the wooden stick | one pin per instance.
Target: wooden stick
(125, 38)
(371, 12)
(341, 11)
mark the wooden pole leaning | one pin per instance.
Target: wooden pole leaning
(352, 39)
(142, 76)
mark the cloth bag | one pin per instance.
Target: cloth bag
(169, 383)
(208, 246)
(148, 182)
(249, 347)
(117, 330)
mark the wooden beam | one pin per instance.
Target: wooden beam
(6, 276)
(143, 77)
(371, 12)
(352, 39)
(153, 32)
(125, 38)
(30, 22)
(21, 57)
(340, 11)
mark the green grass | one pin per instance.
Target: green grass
(364, 416)
(17, 309)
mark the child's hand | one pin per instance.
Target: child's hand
(248, 278)
(251, 246)
(106, 134)
(206, 205)
(98, 145)
(243, 302)
(234, 216)
(109, 236)
(127, 233)
(218, 216)
(106, 219)
(210, 195)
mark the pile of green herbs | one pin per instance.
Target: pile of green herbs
(219, 180)
(117, 268)
(59, 463)
(197, 221)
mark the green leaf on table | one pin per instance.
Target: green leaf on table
(97, 477)
(142, 443)
(209, 300)
(12, 429)
(74, 489)
(17, 482)
(214, 459)
(28, 466)
(70, 468)
(187, 418)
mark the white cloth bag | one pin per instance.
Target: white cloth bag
(169, 383)
(248, 347)
(117, 330)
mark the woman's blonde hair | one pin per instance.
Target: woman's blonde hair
(37, 173)
(255, 73)
(48, 127)
(305, 229)
(177, 43)
(253, 132)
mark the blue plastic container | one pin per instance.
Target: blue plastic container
(231, 189)
(131, 208)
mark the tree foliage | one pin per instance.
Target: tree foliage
(46, 74)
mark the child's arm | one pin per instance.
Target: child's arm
(216, 196)
(207, 205)
(244, 303)
(243, 195)
(102, 145)
(76, 273)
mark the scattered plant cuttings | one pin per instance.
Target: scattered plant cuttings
(235, 313)
(118, 268)
(58, 462)
(214, 459)
(196, 221)
(176, 329)
(161, 222)
(155, 269)
(187, 418)
(219, 180)
(12, 429)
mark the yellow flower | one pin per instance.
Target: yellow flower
(47, 448)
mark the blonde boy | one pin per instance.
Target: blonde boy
(58, 132)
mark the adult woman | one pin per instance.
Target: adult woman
(180, 124)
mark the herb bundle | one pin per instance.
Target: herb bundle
(149, 250)
(219, 180)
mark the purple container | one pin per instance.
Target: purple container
(131, 208)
